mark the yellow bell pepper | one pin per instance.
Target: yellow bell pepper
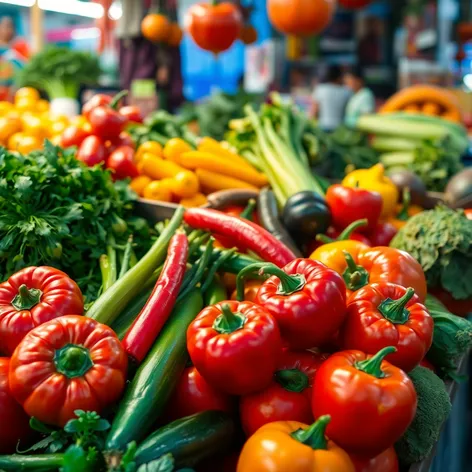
(374, 179)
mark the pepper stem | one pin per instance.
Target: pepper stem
(293, 380)
(228, 322)
(345, 235)
(373, 366)
(403, 214)
(116, 99)
(354, 276)
(250, 207)
(288, 283)
(26, 298)
(73, 360)
(251, 271)
(395, 311)
(314, 436)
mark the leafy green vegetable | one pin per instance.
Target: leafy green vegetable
(56, 211)
(441, 241)
(76, 459)
(60, 71)
(432, 411)
(452, 338)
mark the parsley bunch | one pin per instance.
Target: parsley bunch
(56, 211)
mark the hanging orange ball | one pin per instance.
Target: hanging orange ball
(248, 35)
(175, 36)
(156, 27)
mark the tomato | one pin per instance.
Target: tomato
(131, 113)
(25, 104)
(106, 122)
(248, 35)
(91, 151)
(214, 27)
(23, 143)
(35, 126)
(174, 148)
(354, 4)
(386, 461)
(175, 36)
(185, 184)
(124, 139)
(121, 163)
(14, 421)
(301, 17)
(96, 101)
(8, 127)
(152, 147)
(155, 191)
(5, 107)
(138, 184)
(156, 28)
(42, 106)
(468, 213)
(73, 136)
(27, 93)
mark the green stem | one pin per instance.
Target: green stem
(293, 380)
(26, 298)
(314, 436)
(345, 235)
(116, 99)
(288, 283)
(395, 311)
(250, 207)
(373, 366)
(126, 257)
(228, 322)
(403, 214)
(73, 360)
(354, 276)
(250, 271)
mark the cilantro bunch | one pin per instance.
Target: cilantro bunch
(56, 211)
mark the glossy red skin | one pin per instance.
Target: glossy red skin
(14, 421)
(366, 328)
(352, 204)
(457, 307)
(310, 317)
(131, 113)
(96, 101)
(60, 296)
(121, 163)
(468, 213)
(73, 136)
(92, 151)
(194, 394)
(214, 27)
(355, 4)
(382, 234)
(235, 210)
(51, 396)
(427, 364)
(275, 403)
(387, 461)
(334, 234)
(368, 414)
(240, 362)
(106, 123)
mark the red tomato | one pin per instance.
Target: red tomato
(214, 27)
(73, 136)
(468, 213)
(194, 394)
(98, 100)
(106, 122)
(92, 151)
(386, 461)
(354, 5)
(14, 421)
(382, 234)
(121, 163)
(131, 113)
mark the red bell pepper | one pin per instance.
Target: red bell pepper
(121, 163)
(67, 364)
(98, 100)
(146, 327)
(243, 232)
(382, 234)
(235, 346)
(385, 314)
(14, 421)
(194, 394)
(92, 151)
(288, 397)
(386, 461)
(371, 402)
(351, 204)
(31, 297)
(307, 299)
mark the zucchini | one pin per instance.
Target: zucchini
(147, 394)
(389, 144)
(37, 462)
(393, 159)
(190, 440)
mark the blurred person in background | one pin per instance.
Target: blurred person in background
(362, 101)
(330, 99)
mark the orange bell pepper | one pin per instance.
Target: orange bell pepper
(296, 447)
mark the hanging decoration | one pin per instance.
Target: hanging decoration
(354, 4)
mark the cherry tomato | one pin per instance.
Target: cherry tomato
(106, 123)
(96, 101)
(73, 136)
(91, 151)
(121, 163)
(131, 113)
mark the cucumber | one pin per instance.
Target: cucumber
(392, 159)
(389, 144)
(190, 440)
(149, 391)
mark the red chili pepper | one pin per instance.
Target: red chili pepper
(92, 151)
(235, 346)
(194, 394)
(14, 421)
(31, 297)
(243, 232)
(67, 364)
(307, 299)
(386, 461)
(371, 402)
(351, 204)
(288, 397)
(386, 314)
(131, 113)
(73, 136)
(147, 326)
(96, 101)
(121, 163)
(382, 234)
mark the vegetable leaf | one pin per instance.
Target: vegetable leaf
(163, 464)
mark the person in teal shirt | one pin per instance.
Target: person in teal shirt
(362, 101)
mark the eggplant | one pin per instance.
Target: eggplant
(268, 214)
(459, 189)
(224, 198)
(407, 179)
(305, 215)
